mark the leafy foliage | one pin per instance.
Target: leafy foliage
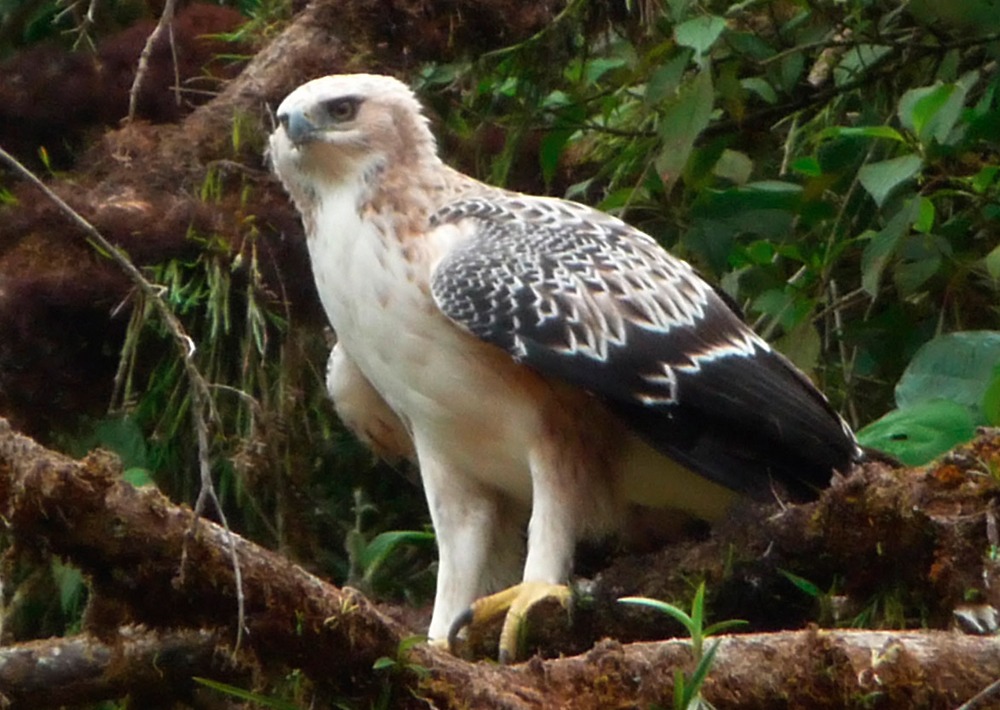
(949, 388)
(834, 167)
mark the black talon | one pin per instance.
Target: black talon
(464, 619)
(503, 657)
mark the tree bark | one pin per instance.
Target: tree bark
(133, 660)
(794, 669)
(147, 562)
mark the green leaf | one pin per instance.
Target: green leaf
(991, 399)
(791, 68)
(124, 437)
(699, 33)
(664, 607)
(410, 641)
(992, 263)
(925, 217)
(550, 151)
(883, 245)
(678, 9)
(683, 121)
(760, 252)
(773, 302)
(957, 367)
(720, 626)
(910, 274)
(704, 665)
(138, 477)
(802, 584)
(69, 582)
(681, 693)
(920, 258)
(665, 80)
(982, 181)
(917, 434)
(441, 74)
(733, 166)
(808, 166)
(749, 43)
(761, 87)
(918, 107)
(596, 68)
(383, 663)
(376, 552)
(802, 345)
(931, 112)
(881, 178)
(857, 60)
(861, 132)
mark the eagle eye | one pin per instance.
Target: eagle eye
(342, 109)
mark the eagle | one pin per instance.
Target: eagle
(551, 369)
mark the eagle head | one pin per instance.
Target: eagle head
(338, 129)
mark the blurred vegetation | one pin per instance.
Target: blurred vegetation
(834, 166)
(79, 24)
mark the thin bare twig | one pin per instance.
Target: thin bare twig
(164, 25)
(979, 700)
(202, 403)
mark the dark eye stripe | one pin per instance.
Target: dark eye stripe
(342, 108)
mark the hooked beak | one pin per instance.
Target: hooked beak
(298, 127)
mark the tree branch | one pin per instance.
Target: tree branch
(811, 668)
(86, 668)
(129, 543)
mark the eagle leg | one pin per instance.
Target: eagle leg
(552, 533)
(514, 603)
(466, 517)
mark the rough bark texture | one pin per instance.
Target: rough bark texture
(144, 566)
(794, 669)
(146, 664)
(147, 564)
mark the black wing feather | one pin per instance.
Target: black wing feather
(583, 297)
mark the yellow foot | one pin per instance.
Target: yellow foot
(440, 644)
(515, 602)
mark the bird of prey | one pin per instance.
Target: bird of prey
(550, 367)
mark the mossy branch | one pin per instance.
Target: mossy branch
(128, 542)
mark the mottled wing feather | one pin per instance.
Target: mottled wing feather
(583, 297)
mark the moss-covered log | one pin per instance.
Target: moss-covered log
(144, 566)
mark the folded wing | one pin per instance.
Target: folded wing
(582, 297)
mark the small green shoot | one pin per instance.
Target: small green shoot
(248, 695)
(43, 155)
(687, 687)
(398, 665)
(400, 662)
(803, 584)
